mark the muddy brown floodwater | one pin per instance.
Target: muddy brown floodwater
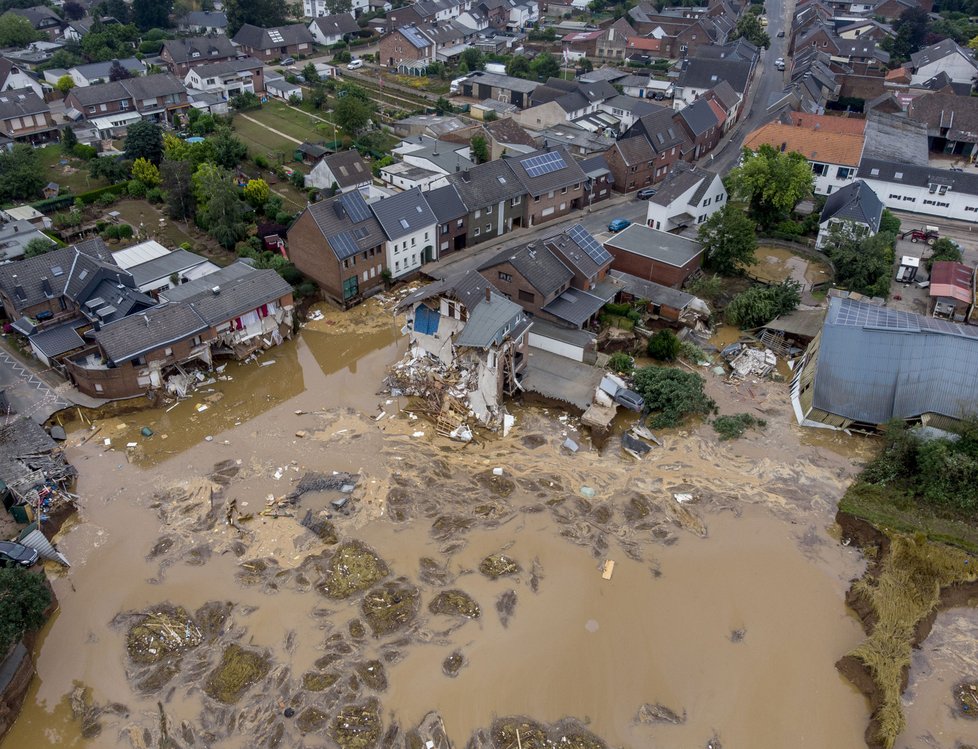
(723, 617)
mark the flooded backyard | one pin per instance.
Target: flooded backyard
(776, 263)
(445, 585)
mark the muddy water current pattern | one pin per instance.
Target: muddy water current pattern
(443, 586)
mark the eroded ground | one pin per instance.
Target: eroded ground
(442, 586)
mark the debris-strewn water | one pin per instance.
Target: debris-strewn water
(725, 612)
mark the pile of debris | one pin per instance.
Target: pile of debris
(748, 361)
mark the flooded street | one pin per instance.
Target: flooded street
(727, 610)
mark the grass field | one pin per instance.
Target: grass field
(73, 175)
(291, 125)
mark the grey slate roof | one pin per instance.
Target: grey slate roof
(239, 296)
(939, 51)
(96, 70)
(138, 89)
(226, 66)
(876, 364)
(635, 151)
(596, 166)
(403, 213)
(699, 117)
(638, 107)
(199, 49)
(539, 266)
(342, 232)
(488, 322)
(20, 102)
(569, 175)
(854, 202)
(58, 340)
(337, 23)
(577, 255)
(226, 275)
(605, 74)
(56, 266)
(656, 245)
(446, 204)
(681, 179)
(705, 74)
(921, 176)
(109, 300)
(165, 265)
(486, 184)
(575, 306)
(257, 37)
(160, 326)
(651, 291)
(662, 129)
(209, 18)
(348, 168)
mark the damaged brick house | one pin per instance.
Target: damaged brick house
(230, 313)
(463, 324)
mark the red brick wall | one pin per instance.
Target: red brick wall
(650, 270)
(535, 208)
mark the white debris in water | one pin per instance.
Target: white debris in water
(418, 434)
(683, 498)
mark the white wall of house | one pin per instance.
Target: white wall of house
(561, 348)
(957, 66)
(19, 79)
(322, 177)
(661, 217)
(228, 85)
(831, 177)
(857, 228)
(686, 95)
(953, 205)
(426, 182)
(406, 254)
(317, 8)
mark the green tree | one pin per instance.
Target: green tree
(672, 395)
(586, 65)
(65, 84)
(24, 597)
(22, 175)
(62, 58)
(353, 112)
(38, 246)
(109, 169)
(911, 32)
(663, 346)
(729, 240)
(228, 150)
(16, 31)
(178, 189)
(889, 223)
(309, 73)
(621, 362)
(118, 9)
(545, 66)
(109, 41)
(146, 172)
(144, 140)
(761, 304)
(68, 139)
(771, 182)
(943, 249)
(118, 72)
(862, 263)
(473, 58)
(73, 11)
(151, 14)
(749, 27)
(257, 191)
(263, 13)
(519, 67)
(339, 6)
(219, 208)
(480, 149)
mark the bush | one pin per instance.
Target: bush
(706, 287)
(889, 223)
(943, 249)
(25, 597)
(136, 188)
(621, 362)
(621, 310)
(732, 427)
(104, 201)
(761, 304)
(125, 231)
(155, 195)
(81, 151)
(261, 162)
(663, 346)
(672, 395)
(790, 228)
(306, 289)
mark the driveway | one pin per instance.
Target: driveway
(27, 393)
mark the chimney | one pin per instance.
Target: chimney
(19, 290)
(215, 290)
(46, 286)
(488, 295)
(97, 325)
(16, 228)
(466, 176)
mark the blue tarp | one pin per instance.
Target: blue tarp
(426, 320)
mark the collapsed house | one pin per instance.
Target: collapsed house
(468, 349)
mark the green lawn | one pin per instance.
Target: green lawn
(72, 175)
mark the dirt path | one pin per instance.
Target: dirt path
(271, 129)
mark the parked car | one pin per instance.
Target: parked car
(618, 224)
(780, 34)
(629, 399)
(288, 61)
(355, 64)
(646, 193)
(17, 555)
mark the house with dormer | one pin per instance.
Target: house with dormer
(179, 55)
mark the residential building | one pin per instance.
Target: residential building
(411, 229)
(553, 182)
(42, 18)
(13, 76)
(25, 213)
(952, 291)
(921, 189)
(870, 365)
(110, 107)
(688, 196)
(439, 157)
(661, 302)
(339, 244)
(494, 198)
(26, 117)
(242, 311)
(179, 55)
(482, 85)
(15, 235)
(657, 256)
(952, 122)
(466, 323)
(632, 162)
(600, 180)
(282, 89)
(159, 274)
(703, 121)
(228, 78)
(317, 8)
(345, 169)
(333, 28)
(667, 137)
(946, 57)
(100, 72)
(575, 98)
(204, 22)
(701, 74)
(613, 42)
(834, 156)
(405, 44)
(626, 110)
(452, 216)
(274, 43)
(855, 206)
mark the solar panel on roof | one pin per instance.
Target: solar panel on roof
(546, 163)
(356, 207)
(589, 244)
(343, 245)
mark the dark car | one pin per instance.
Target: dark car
(14, 554)
(629, 399)
(780, 35)
(646, 193)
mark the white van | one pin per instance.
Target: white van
(355, 64)
(456, 85)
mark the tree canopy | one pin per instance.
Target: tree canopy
(151, 14)
(353, 110)
(220, 210)
(22, 175)
(943, 249)
(109, 41)
(862, 263)
(144, 140)
(758, 305)
(518, 67)
(263, 13)
(749, 27)
(545, 66)
(16, 31)
(24, 597)
(178, 190)
(729, 240)
(672, 395)
(772, 183)
(480, 149)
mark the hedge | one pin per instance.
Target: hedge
(92, 195)
(53, 204)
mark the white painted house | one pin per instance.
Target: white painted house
(941, 193)
(228, 78)
(410, 227)
(687, 197)
(944, 57)
(317, 8)
(855, 205)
